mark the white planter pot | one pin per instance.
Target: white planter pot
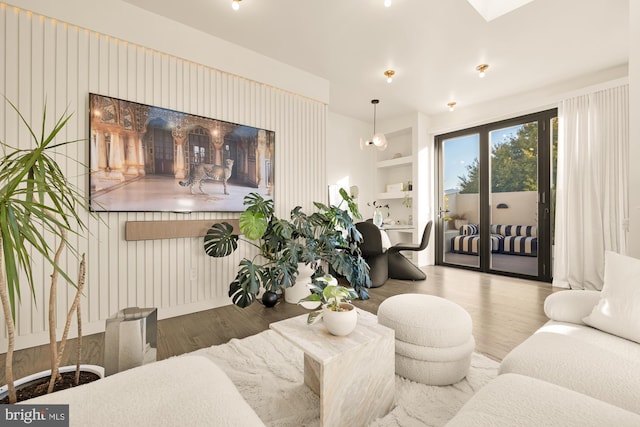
(340, 323)
(300, 289)
(95, 369)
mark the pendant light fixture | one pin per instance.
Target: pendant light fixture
(378, 140)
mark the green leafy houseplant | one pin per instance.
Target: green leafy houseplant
(326, 236)
(330, 295)
(38, 205)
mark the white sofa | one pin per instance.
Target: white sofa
(181, 391)
(566, 374)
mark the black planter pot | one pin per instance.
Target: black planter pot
(269, 299)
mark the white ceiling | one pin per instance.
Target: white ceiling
(434, 45)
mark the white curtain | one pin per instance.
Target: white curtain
(592, 186)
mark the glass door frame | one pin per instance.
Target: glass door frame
(544, 120)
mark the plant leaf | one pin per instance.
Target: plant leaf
(253, 224)
(220, 240)
(314, 316)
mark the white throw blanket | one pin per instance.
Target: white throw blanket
(268, 372)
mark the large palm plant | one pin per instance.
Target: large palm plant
(37, 202)
(327, 236)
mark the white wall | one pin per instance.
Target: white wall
(347, 164)
(634, 129)
(60, 60)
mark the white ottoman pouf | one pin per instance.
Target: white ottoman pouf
(434, 338)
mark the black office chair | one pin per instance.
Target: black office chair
(373, 253)
(399, 266)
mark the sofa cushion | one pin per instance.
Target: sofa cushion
(583, 359)
(520, 245)
(618, 311)
(570, 305)
(181, 391)
(471, 244)
(515, 400)
(469, 229)
(515, 230)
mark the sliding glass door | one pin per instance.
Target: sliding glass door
(459, 200)
(495, 199)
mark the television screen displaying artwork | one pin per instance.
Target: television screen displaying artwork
(149, 159)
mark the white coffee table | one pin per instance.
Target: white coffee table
(353, 375)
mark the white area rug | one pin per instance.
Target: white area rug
(268, 372)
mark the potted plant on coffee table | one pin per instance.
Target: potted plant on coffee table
(327, 237)
(337, 313)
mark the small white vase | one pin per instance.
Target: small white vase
(300, 289)
(340, 323)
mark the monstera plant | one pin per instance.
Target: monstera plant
(326, 238)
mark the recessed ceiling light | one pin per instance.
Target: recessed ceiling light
(389, 75)
(235, 4)
(387, 3)
(482, 68)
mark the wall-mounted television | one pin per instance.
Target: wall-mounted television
(150, 159)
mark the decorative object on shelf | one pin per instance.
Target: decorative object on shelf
(378, 140)
(339, 315)
(399, 186)
(39, 206)
(397, 156)
(328, 237)
(407, 201)
(409, 185)
(378, 217)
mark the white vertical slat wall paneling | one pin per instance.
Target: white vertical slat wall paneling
(118, 87)
(146, 95)
(55, 109)
(98, 59)
(133, 267)
(83, 176)
(95, 264)
(107, 268)
(190, 99)
(176, 82)
(72, 155)
(21, 98)
(82, 130)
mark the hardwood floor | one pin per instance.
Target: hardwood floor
(505, 311)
